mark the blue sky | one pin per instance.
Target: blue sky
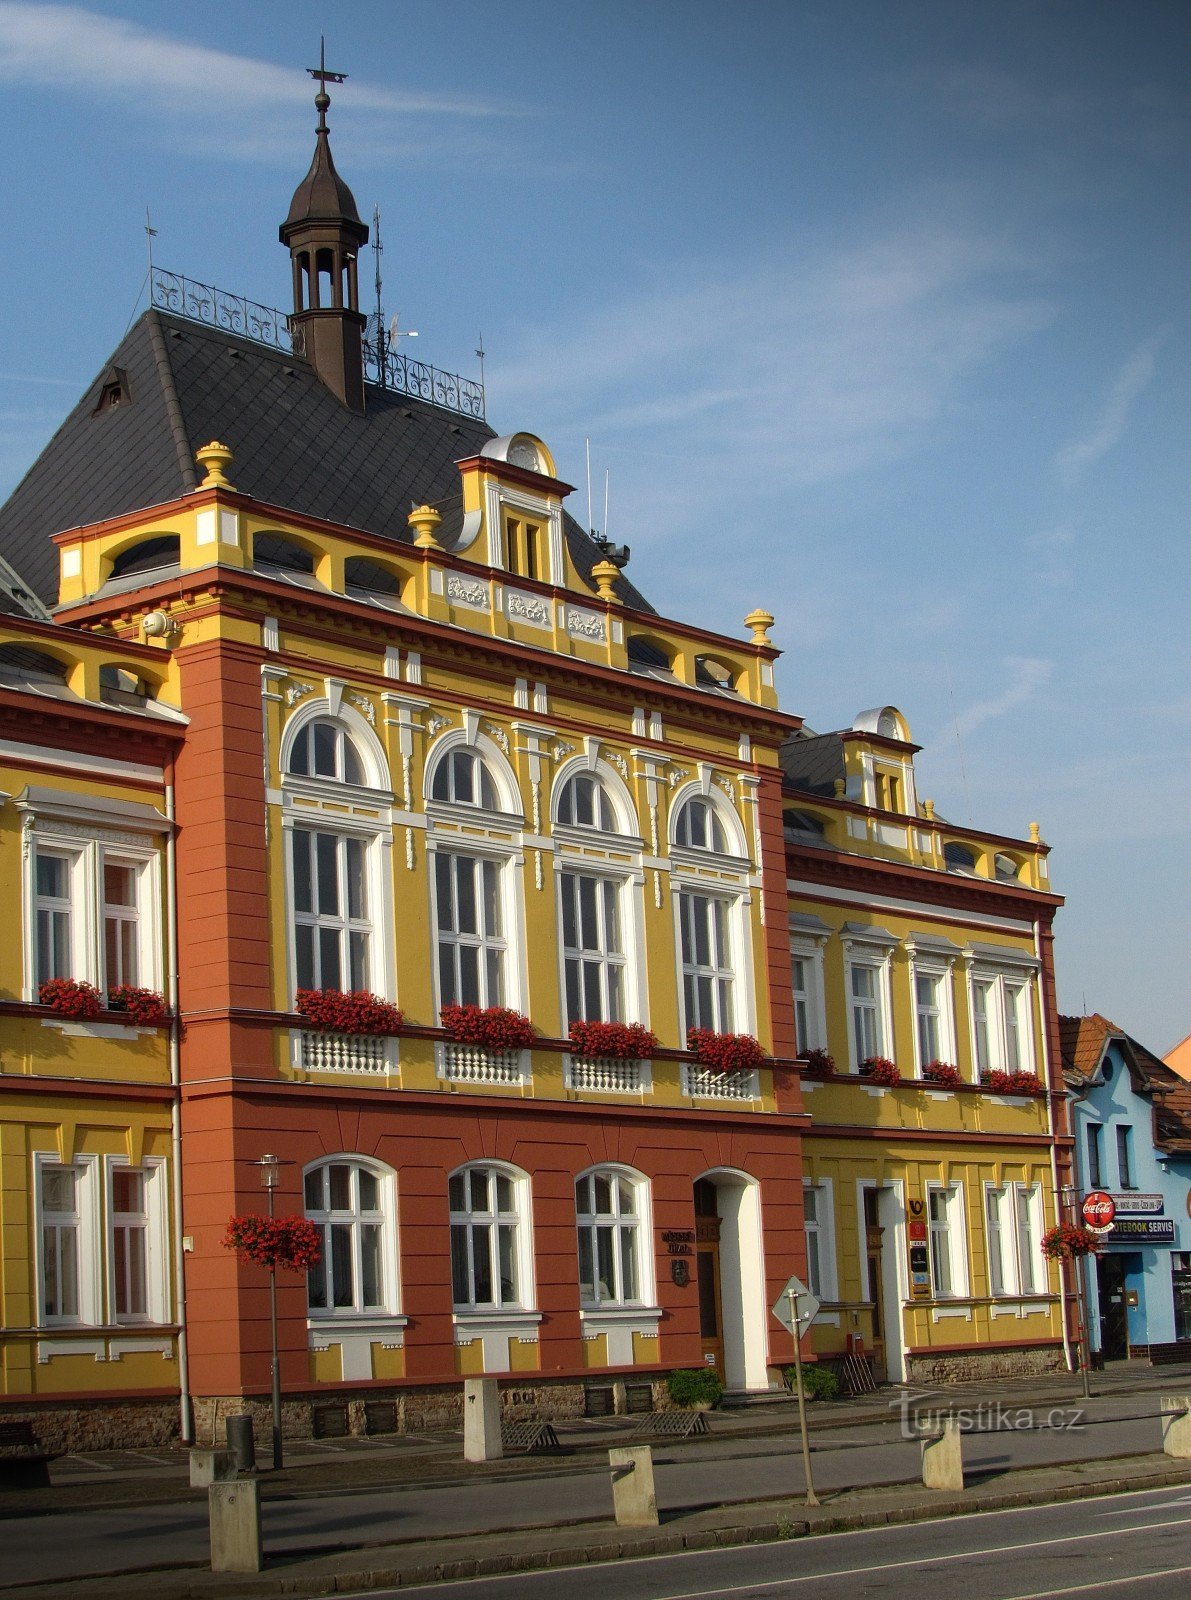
(876, 311)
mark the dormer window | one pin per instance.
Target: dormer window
(888, 787)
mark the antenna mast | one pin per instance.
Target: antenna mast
(377, 248)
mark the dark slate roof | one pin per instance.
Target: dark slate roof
(295, 447)
(1083, 1041)
(812, 763)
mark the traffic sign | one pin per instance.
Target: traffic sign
(1099, 1210)
(796, 1293)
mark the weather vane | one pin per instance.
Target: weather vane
(322, 99)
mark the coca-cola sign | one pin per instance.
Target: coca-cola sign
(1098, 1210)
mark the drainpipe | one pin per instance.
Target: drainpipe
(1064, 1271)
(171, 949)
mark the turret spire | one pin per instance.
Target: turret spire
(324, 233)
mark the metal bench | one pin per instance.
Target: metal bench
(22, 1464)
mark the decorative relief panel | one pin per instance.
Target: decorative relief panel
(586, 625)
(470, 592)
(295, 691)
(530, 608)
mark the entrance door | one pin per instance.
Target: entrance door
(873, 1233)
(1114, 1334)
(707, 1271)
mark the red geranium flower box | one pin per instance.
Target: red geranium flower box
(943, 1073)
(613, 1041)
(354, 1011)
(291, 1243)
(489, 1027)
(880, 1070)
(1066, 1241)
(817, 1063)
(1022, 1083)
(70, 998)
(725, 1052)
(142, 1005)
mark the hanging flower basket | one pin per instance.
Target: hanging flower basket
(489, 1027)
(880, 1070)
(291, 1243)
(355, 1011)
(817, 1063)
(1067, 1242)
(725, 1052)
(1020, 1083)
(943, 1073)
(144, 1006)
(70, 998)
(613, 1041)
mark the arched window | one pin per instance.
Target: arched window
(958, 858)
(608, 1207)
(487, 1270)
(323, 749)
(583, 802)
(699, 826)
(335, 881)
(461, 778)
(350, 1202)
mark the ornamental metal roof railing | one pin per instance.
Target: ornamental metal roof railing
(266, 325)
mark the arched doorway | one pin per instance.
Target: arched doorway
(730, 1268)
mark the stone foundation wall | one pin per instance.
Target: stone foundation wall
(99, 1425)
(970, 1366)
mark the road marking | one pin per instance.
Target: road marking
(1141, 1510)
(886, 1566)
(1105, 1583)
(852, 1533)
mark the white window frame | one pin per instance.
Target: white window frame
(812, 997)
(822, 1227)
(485, 941)
(723, 978)
(1010, 1015)
(1019, 1256)
(723, 876)
(85, 1221)
(343, 923)
(875, 954)
(86, 852)
(521, 1220)
(385, 1217)
(949, 1236)
(157, 1250)
(605, 960)
(939, 969)
(72, 906)
(639, 1227)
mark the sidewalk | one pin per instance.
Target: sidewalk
(406, 1563)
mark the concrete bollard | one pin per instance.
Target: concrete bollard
(1176, 1426)
(235, 1512)
(633, 1496)
(481, 1420)
(211, 1466)
(943, 1458)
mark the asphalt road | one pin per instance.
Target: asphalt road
(1124, 1547)
(701, 1473)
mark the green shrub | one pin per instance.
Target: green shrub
(695, 1386)
(818, 1383)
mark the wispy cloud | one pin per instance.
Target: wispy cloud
(1027, 674)
(211, 95)
(806, 367)
(1135, 374)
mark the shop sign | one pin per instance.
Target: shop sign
(1139, 1205)
(1098, 1210)
(1142, 1230)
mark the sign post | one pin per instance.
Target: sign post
(787, 1313)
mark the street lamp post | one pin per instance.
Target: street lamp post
(270, 1170)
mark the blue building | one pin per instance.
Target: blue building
(1131, 1120)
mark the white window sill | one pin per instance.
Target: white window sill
(96, 1030)
(326, 1325)
(472, 1321)
(593, 1317)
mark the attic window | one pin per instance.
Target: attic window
(801, 826)
(113, 391)
(1006, 868)
(272, 550)
(148, 556)
(23, 662)
(958, 858)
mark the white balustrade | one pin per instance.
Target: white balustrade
(703, 1083)
(606, 1075)
(343, 1052)
(471, 1063)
